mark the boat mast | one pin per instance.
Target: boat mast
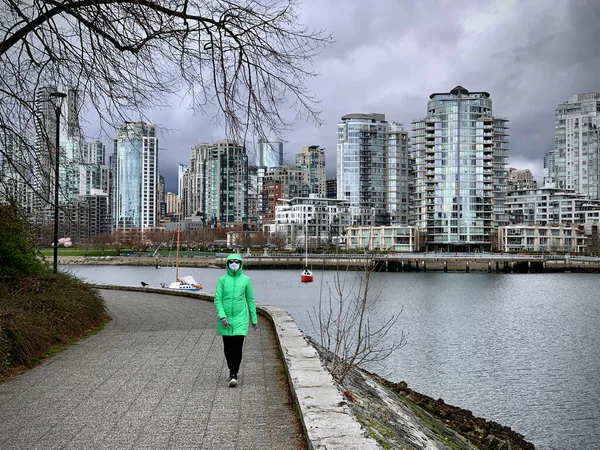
(305, 244)
(177, 251)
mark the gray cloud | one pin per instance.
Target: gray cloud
(390, 55)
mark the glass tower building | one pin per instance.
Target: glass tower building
(215, 185)
(270, 153)
(577, 144)
(460, 157)
(398, 175)
(361, 167)
(15, 171)
(227, 196)
(45, 146)
(312, 161)
(135, 171)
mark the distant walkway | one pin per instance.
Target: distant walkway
(154, 378)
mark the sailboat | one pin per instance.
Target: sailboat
(186, 283)
(307, 276)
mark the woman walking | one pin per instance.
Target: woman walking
(234, 302)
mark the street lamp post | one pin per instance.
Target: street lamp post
(57, 105)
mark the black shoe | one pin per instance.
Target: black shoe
(233, 380)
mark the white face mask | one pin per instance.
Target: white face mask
(234, 266)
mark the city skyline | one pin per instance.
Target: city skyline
(389, 57)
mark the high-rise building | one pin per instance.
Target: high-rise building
(15, 174)
(311, 160)
(577, 144)
(227, 199)
(256, 176)
(215, 185)
(76, 167)
(398, 171)
(460, 154)
(180, 171)
(135, 168)
(72, 172)
(82, 170)
(269, 153)
(73, 108)
(361, 167)
(45, 146)
(194, 185)
(96, 172)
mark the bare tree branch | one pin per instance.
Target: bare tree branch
(243, 62)
(345, 326)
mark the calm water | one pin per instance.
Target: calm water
(522, 350)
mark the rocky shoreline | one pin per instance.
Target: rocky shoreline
(401, 418)
(483, 433)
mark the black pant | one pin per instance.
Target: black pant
(233, 346)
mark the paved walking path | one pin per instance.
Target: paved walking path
(154, 378)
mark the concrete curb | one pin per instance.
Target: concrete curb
(326, 417)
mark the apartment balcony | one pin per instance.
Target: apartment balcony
(367, 133)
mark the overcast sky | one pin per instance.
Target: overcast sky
(390, 55)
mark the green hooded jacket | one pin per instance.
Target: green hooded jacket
(234, 299)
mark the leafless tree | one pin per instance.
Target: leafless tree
(86, 244)
(116, 242)
(258, 239)
(278, 239)
(238, 61)
(345, 327)
(102, 241)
